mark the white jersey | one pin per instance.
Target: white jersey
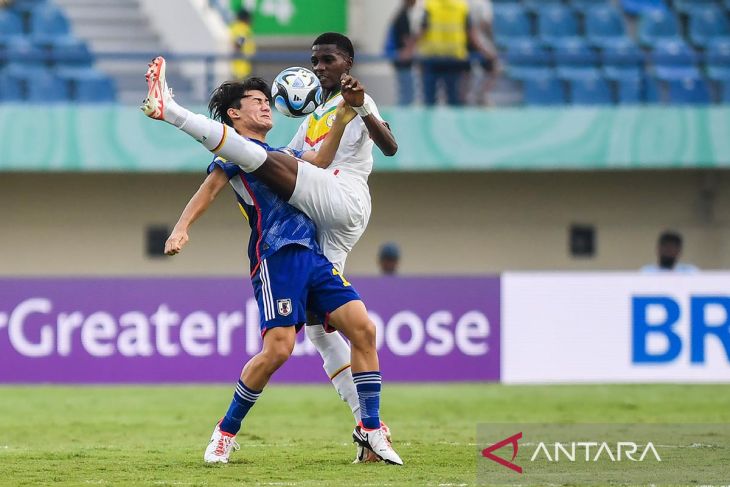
(354, 157)
(337, 199)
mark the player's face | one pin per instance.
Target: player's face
(255, 111)
(329, 63)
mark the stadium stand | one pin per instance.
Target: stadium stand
(42, 61)
(623, 51)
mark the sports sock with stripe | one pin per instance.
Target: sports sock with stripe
(368, 391)
(335, 355)
(243, 400)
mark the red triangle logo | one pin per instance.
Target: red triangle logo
(512, 440)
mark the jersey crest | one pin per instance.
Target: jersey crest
(319, 126)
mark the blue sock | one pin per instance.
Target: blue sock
(368, 391)
(243, 400)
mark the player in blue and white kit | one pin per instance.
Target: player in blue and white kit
(289, 274)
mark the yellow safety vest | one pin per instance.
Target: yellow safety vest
(445, 34)
(242, 68)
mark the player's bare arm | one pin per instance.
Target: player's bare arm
(197, 205)
(326, 153)
(354, 94)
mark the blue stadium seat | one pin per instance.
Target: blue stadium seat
(555, 23)
(527, 59)
(604, 25)
(725, 92)
(545, 90)
(535, 5)
(688, 92)
(622, 60)
(47, 22)
(11, 24)
(511, 24)
(674, 60)
(22, 50)
(706, 24)
(688, 6)
(70, 51)
(39, 84)
(95, 90)
(631, 91)
(11, 89)
(590, 91)
(583, 6)
(658, 25)
(574, 59)
(717, 60)
(638, 7)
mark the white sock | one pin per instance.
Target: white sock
(335, 353)
(216, 137)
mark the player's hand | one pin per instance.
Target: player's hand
(352, 91)
(344, 113)
(175, 242)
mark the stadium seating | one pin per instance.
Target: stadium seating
(511, 24)
(11, 24)
(674, 60)
(658, 25)
(36, 46)
(688, 92)
(574, 59)
(528, 59)
(638, 7)
(688, 6)
(544, 90)
(622, 61)
(590, 90)
(706, 24)
(604, 26)
(556, 22)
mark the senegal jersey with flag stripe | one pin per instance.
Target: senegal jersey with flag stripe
(354, 157)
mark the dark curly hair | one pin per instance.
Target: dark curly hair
(229, 94)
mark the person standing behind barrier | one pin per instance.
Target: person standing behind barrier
(243, 44)
(669, 249)
(399, 47)
(443, 47)
(486, 67)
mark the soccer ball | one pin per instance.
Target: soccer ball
(296, 92)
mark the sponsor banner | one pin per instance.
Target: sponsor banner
(602, 454)
(205, 329)
(615, 327)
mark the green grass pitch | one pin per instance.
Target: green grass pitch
(297, 435)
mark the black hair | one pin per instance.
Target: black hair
(229, 94)
(342, 42)
(244, 15)
(670, 237)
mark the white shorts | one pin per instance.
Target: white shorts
(339, 205)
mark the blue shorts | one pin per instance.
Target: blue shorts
(294, 279)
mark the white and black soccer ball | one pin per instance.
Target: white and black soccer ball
(296, 92)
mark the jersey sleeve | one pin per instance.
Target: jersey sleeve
(374, 107)
(231, 170)
(297, 143)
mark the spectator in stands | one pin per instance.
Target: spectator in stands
(485, 69)
(669, 248)
(388, 258)
(399, 47)
(243, 44)
(443, 45)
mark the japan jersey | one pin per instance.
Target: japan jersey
(354, 157)
(274, 223)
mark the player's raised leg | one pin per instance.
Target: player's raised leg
(277, 170)
(352, 319)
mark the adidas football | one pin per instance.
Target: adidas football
(296, 92)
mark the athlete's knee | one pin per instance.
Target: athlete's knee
(363, 334)
(278, 346)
